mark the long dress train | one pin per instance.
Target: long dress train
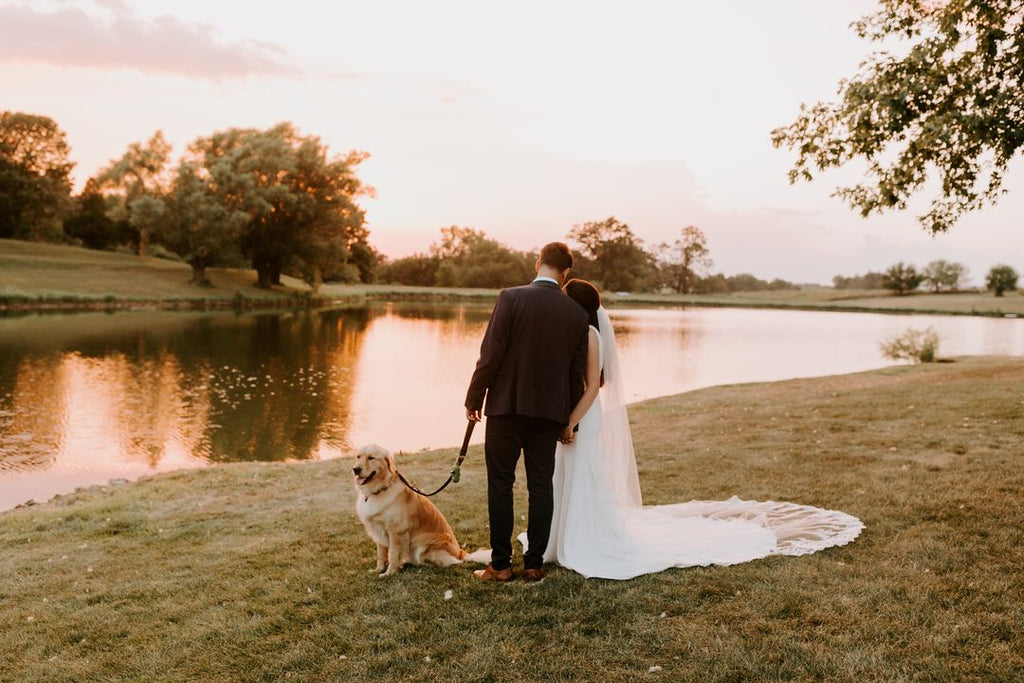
(601, 528)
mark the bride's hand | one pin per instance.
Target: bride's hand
(567, 436)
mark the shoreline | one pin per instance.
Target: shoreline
(361, 295)
(106, 481)
(47, 278)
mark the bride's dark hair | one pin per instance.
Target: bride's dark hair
(587, 296)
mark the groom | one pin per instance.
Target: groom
(531, 367)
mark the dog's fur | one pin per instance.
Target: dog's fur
(407, 527)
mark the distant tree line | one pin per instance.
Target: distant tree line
(462, 257)
(938, 276)
(277, 201)
(869, 280)
(274, 199)
(606, 252)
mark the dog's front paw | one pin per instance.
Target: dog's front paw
(392, 570)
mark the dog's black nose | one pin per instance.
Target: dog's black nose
(357, 470)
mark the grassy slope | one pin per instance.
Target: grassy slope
(47, 271)
(35, 274)
(260, 572)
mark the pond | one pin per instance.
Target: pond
(85, 398)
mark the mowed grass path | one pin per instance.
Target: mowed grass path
(262, 572)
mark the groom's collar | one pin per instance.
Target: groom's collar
(545, 278)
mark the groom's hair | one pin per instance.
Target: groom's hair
(556, 255)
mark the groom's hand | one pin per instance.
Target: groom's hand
(473, 415)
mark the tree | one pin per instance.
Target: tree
(468, 258)
(89, 221)
(300, 203)
(612, 255)
(683, 262)
(200, 227)
(942, 274)
(329, 221)
(778, 284)
(365, 259)
(138, 184)
(950, 106)
(1000, 279)
(745, 282)
(35, 189)
(712, 284)
(456, 244)
(418, 269)
(869, 280)
(902, 279)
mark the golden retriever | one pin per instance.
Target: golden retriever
(407, 527)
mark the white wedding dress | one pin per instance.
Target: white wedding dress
(601, 529)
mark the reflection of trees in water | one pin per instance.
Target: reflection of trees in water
(29, 438)
(465, 313)
(447, 320)
(148, 408)
(676, 333)
(343, 359)
(221, 387)
(280, 383)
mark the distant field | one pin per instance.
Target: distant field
(826, 298)
(34, 275)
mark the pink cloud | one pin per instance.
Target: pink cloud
(71, 37)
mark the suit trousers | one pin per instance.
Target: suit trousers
(536, 438)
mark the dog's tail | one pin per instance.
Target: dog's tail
(482, 556)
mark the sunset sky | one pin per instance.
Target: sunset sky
(519, 119)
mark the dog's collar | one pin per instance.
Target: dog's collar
(366, 497)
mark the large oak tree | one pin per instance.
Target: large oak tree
(299, 202)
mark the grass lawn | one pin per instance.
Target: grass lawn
(34, 275)
(262, 572)
(32, 272)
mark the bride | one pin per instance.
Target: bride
(600, 527)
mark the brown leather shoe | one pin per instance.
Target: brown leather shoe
(491, 574)
(534, 574)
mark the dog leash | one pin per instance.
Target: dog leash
(456, 471)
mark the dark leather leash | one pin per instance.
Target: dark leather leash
(456, 471)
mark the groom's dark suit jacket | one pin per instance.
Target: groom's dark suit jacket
(534, 355)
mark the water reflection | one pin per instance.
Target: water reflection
(414, 371)
(88, 397)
